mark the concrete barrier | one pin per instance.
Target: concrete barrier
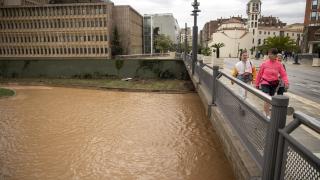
(316, 62)
(244, 166)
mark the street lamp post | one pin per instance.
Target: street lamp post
(195, 11)
(185, 41)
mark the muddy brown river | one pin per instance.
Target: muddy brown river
(64, 133)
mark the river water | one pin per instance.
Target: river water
(64, 133)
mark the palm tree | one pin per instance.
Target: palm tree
(282, 43)
(218, 46)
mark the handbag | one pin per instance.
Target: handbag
(245, 77)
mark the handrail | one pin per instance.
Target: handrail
(256, 92)
(208, 66)
(309, 121)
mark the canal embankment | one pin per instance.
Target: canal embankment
(151, 75)
(243, 165)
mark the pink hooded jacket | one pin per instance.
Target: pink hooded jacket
(269, 71)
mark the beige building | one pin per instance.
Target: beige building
(237, 34)
(234, 34)
(292, 31)
(68, 30)
(129, 24)
(22, 2)
(183, 35)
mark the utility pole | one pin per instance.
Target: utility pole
(185, 41)
(195, 11)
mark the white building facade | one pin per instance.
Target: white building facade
(236, 35)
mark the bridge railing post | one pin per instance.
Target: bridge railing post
(277, 121)
(215, 73)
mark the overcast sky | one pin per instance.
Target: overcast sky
(289, 11)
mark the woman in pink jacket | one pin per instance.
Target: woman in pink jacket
(268, 77)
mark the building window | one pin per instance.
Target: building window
(274, 33)
(253, 41)
(313, 15)
(268, 32)
(260, 32)
(265, 32)
(315, 4)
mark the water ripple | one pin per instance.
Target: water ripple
(63, 133)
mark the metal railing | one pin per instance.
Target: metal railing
(274, 153)
(294, 160)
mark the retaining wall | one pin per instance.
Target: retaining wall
(87, 68)
(244, 166)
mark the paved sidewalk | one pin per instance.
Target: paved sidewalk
(312, 108)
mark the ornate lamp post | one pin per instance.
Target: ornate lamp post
(195, 11)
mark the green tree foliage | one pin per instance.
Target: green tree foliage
(116, 48)
(206, 51)
(217, 46)
(162, 43)
(281, 43)
(119, 65)
(188, 50)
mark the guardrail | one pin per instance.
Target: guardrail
(267, 140)
(292, 156)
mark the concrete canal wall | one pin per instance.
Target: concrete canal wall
(93, 68)
(244, 166)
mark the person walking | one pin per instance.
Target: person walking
(245, 71)
(281, 87)
(268, 77)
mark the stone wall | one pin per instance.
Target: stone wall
(68, 68)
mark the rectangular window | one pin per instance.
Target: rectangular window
(314, 4)
(313, 15)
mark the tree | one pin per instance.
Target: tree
(116, 48)
(188, 50)
(206, 51)
(162, 43)
(281, 43)
(218, 46)
(119, 65)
